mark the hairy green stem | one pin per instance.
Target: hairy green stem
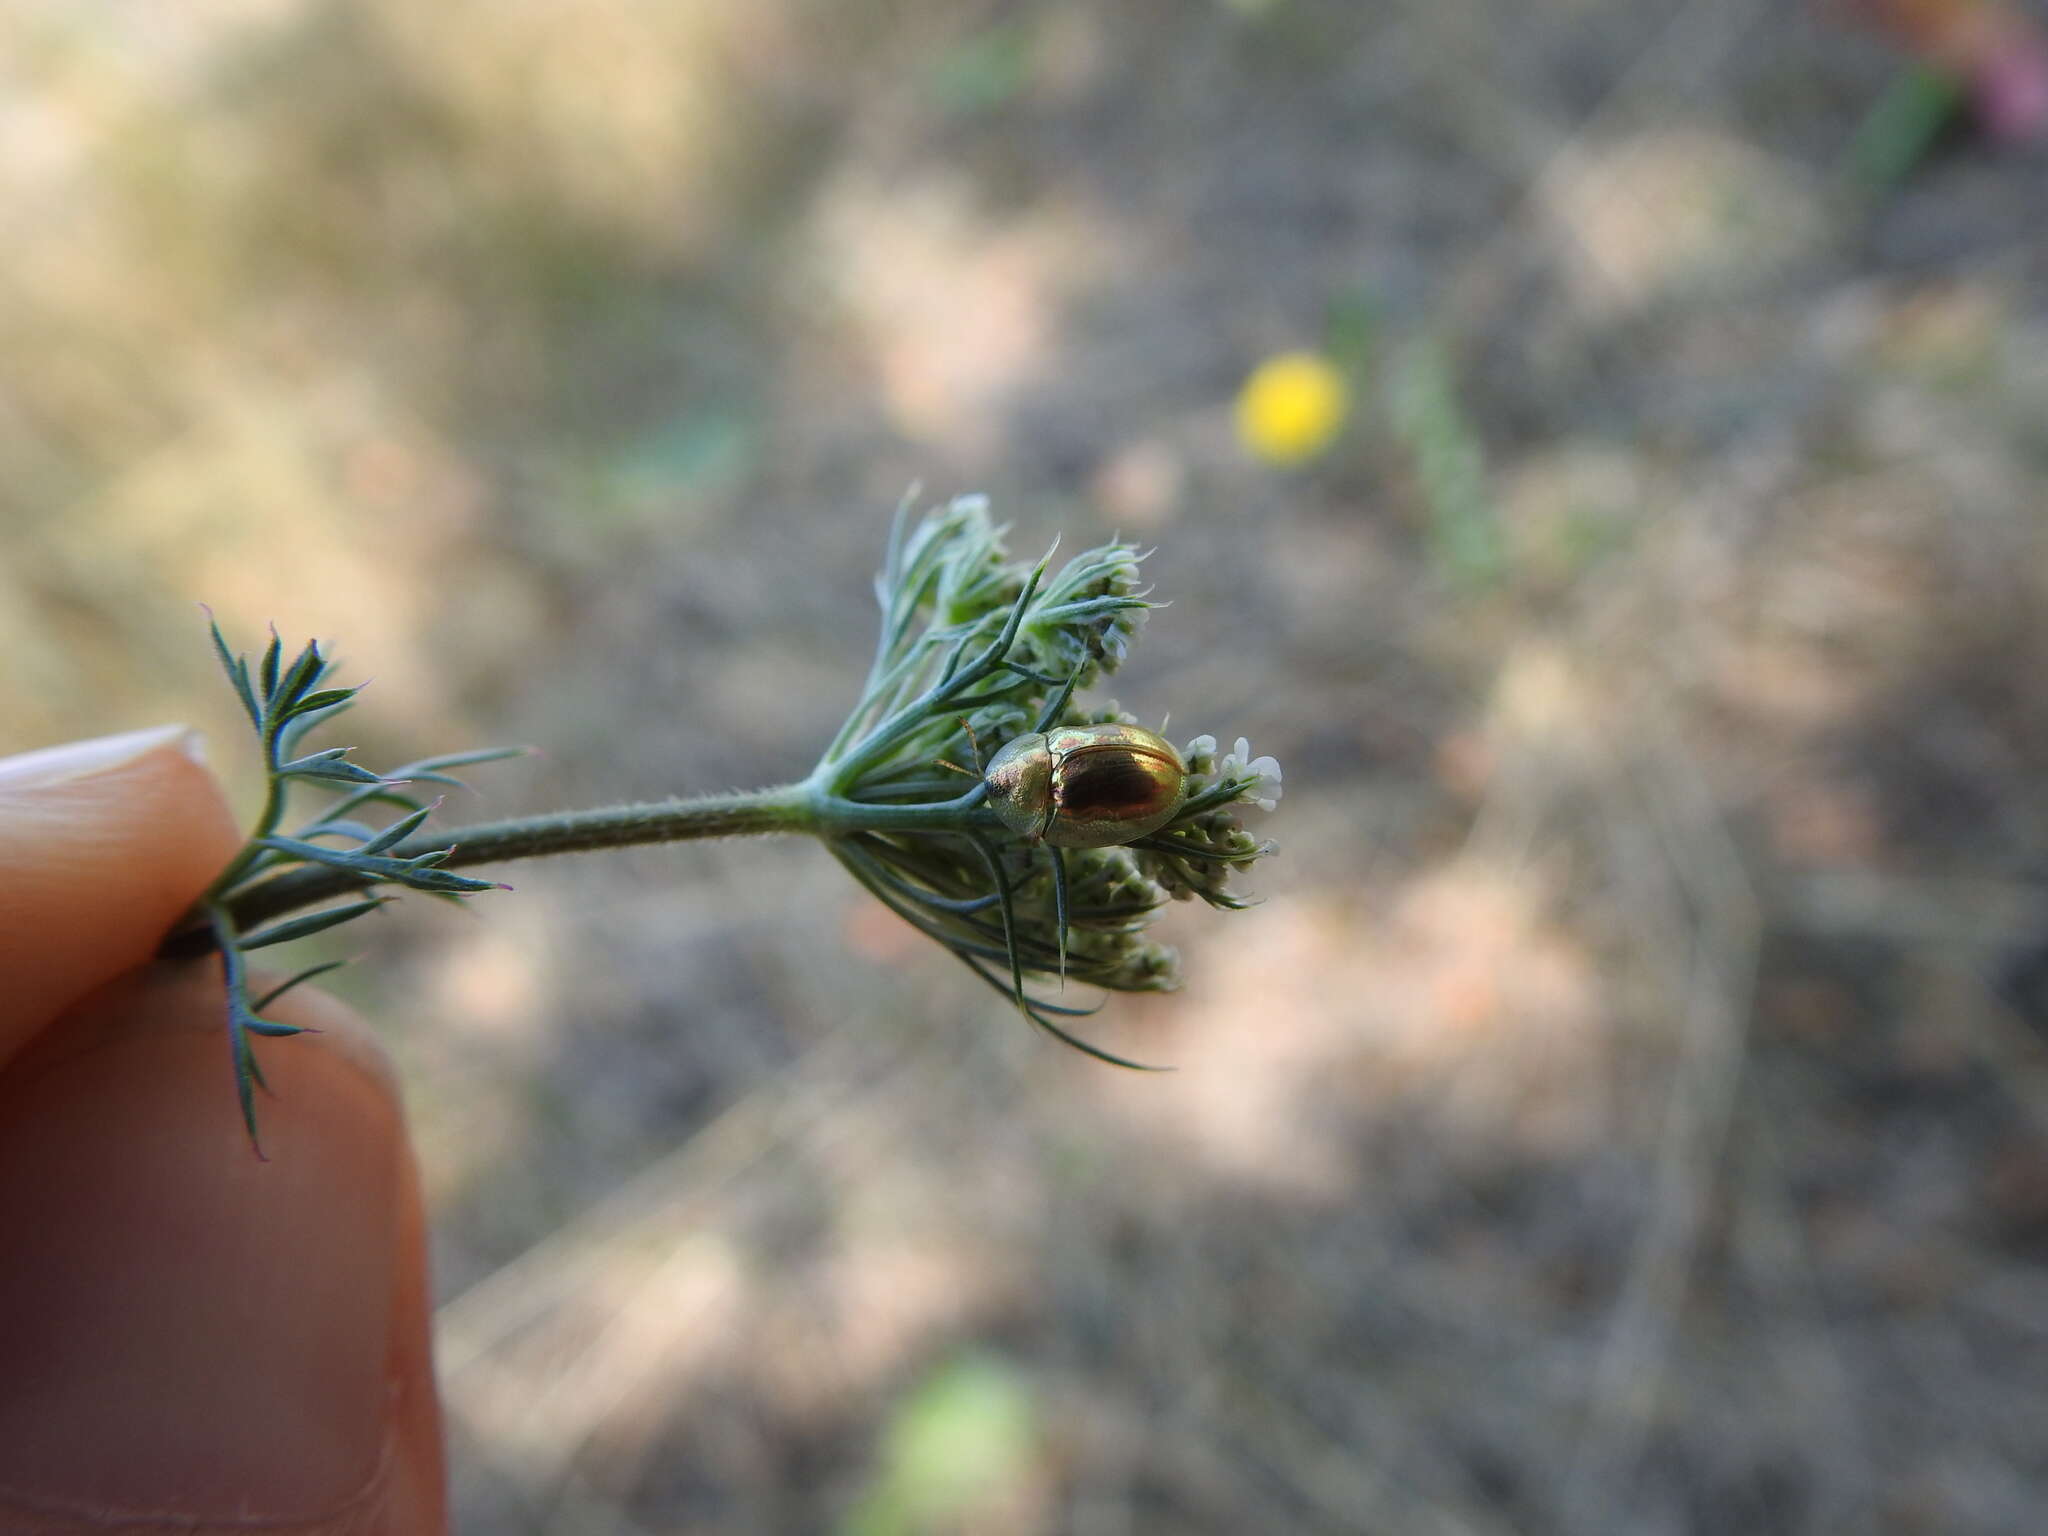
(252, 850)
(803, 807)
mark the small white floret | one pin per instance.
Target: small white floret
(1266, 793)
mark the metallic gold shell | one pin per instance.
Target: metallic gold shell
(1086, 786)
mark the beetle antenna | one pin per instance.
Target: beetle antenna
(980, 768)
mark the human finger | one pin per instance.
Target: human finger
(195, 1337)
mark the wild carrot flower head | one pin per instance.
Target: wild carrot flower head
(977, 651)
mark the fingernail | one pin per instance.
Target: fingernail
(103, 754)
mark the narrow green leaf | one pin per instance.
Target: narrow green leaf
(296, 729)
(387, 793)
(267, 672)
(254, 1070)
(398, 831)
(422, 776)
(440, 882)
(283, 987)
(322, 765)
(237, 671)
(271, 1029)
(304, 671)
(1210, 798)
(424, 771)
(326, 698)
(460, 760)
(247, 1074)
(242, 1022)
(417, 872)
(1035, 1010)
(357, 832)
(312, 922)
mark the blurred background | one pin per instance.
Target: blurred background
(1600, 446)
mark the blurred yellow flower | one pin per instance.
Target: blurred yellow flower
(1292, 407)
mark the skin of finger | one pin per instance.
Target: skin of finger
(193, 1335)
(92, 873)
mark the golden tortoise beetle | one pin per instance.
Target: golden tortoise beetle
(1086, 786)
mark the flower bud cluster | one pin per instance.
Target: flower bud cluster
(1261, 775)
(977, 650)
(1198, 853)
(1087, 616)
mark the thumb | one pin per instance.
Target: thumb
(102, 844)
(191, 1338)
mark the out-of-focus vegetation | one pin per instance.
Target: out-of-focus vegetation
(1629, 1111)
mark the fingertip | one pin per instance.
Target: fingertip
(102, 845)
